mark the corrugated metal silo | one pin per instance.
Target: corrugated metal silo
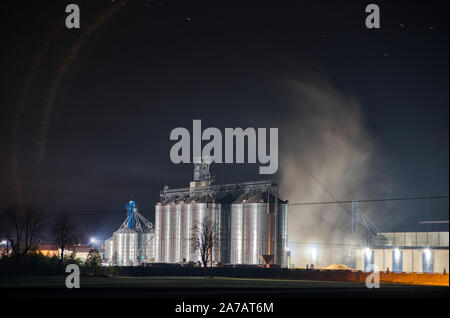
(282, 234)
(237, 234)
(199, 212)
(146, 245)
(256, 227)
(214, 212)
(186, 225)
(176, 247)
(159, 231)
(255, 232)
(125, 246)
(173, 235)
(166, 235)
(109, 249)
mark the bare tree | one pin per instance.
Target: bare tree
(64, 232)
(205, 238)
(22, 227)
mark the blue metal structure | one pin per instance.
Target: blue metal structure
(131, 207)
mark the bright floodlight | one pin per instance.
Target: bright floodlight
(92, 240)
(397, 254)
(368, 253)
(3, 242)
(313, 254)
(427, 253)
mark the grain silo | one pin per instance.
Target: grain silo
(134, 242)
(125, 247)
(109, 249)
(259, 227)
(249, 220)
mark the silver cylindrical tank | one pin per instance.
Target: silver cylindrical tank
(282, 234)
(159, 230)
(146, 245)
(186, 225)
(199, 212)
(258, 229)
(237, 234)
(214, 212)
(125, 247)
(176, 243)
(255, 232)
(225, 219)
(166, 235)
(109, 250)
(173, 228)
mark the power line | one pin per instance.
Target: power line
(370, 200)
(87, 212)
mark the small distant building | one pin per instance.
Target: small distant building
(81, 251)
(419, 252)
(49, 250)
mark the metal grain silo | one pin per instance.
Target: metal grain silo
(125, 246)
(159, 232)
(146, 245)
(224, 228)
(255, 232)
(166, 235)
(109, 250)
(282, 234)
(173, 248)
(186, 227)
(214, 212)
(258, 227)
(199, 212)
(237, 234)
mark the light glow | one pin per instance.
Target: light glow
(368, 252)
(397, 254)
(313, 254)
(427, 253)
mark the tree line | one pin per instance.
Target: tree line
(22, 227)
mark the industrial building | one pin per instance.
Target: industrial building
(250, 223)
(418, 252)
(249, 220)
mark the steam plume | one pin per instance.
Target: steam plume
(326, 155)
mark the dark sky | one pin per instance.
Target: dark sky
(152, 66)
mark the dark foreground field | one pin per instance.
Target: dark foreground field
(203, 287)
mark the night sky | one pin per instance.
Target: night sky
(86, 115)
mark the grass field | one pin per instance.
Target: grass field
(160, 286)
(168, 282)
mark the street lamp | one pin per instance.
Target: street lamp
(92, 242)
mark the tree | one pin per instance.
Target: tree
(93, 261)
(205, 239)
(64, 232)
(22, 227)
